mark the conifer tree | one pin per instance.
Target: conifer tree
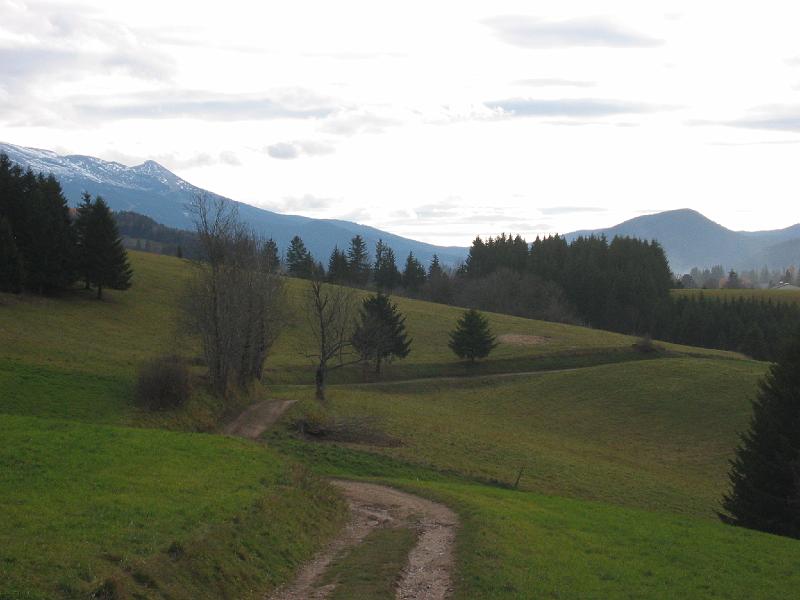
(385, 272)
(413, 274)
(299, 262)
(272, 259)
(358, 262)
(472, 339)
(380, 335)
(337, 266)
(765, 473)
(11, 274)
(104, 259)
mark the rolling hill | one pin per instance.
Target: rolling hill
(620, 458)
(693, 240)
(152, 190)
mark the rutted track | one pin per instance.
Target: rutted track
(427, 574)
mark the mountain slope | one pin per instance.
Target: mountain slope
(152, 190)
(693, 240)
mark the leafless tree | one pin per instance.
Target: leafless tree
(330, 311)
(234, 301)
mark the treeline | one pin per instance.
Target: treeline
(756, 327)
(717, 277)
(616, 285)
(46, 248)
(140, 232)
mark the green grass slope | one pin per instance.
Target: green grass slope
(653, 434)
(151, 512)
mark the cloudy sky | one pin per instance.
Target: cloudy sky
(434, 120)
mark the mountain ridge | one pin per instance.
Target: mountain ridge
(690, 239)
(154, 191)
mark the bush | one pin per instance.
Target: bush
(163, 383)
(645, 345)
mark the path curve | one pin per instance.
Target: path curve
(427, 574)
(257, 418)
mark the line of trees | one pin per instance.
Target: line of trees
(717, 277)
(753, 326)
(46, 248)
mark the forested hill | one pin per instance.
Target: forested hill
(152, 190)
(692, 240)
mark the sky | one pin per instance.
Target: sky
(438, 121)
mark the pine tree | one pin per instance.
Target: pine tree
(413, 274)
(337, 266)
(299, 262)
(358, 262)
(385, 272)
(104, 260)
(380, 335)
(765, 473)
(11, 274)
(272, 259)
(472, 338)
(84, 216)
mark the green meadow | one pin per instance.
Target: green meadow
(620, 460)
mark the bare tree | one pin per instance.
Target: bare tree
(234, 301)
(330, 311)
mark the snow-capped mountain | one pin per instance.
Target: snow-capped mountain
(153, 190)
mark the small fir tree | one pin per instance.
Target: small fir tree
(272, 259)
(11, 274)
(337, 266)
(103, 257)
(765, 473)
(413, 274)
(299, 261)
(472, 339)
(385, 272)
(380, 335)
(358, 262)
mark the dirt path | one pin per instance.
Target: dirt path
(427, 573)
(257, 419)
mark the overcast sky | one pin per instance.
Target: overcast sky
(434, 120)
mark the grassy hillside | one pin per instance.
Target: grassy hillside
(791, 296)
(652, 434)
(623, 460)
(85, 505)
(75, 357)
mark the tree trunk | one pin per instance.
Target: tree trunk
(99, 292)
(319, 380)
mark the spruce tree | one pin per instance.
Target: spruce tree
(385, 272)
(380, 335)
(299, 262)
(358, 262)
(272, 259)
(472, 339)
(337, 266)
(104, 260)
(413, 274)
(11, 274)
(765, 473)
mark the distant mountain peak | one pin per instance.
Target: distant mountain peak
(156, 192)
(690, 239)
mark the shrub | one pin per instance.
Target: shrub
(163, 383)
(645, 345)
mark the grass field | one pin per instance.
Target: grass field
(623, 460)
(86, 504)
(792, 296)
(653, 434)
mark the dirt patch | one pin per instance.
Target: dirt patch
(430, 563)
(257, 419)
(516, 339)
